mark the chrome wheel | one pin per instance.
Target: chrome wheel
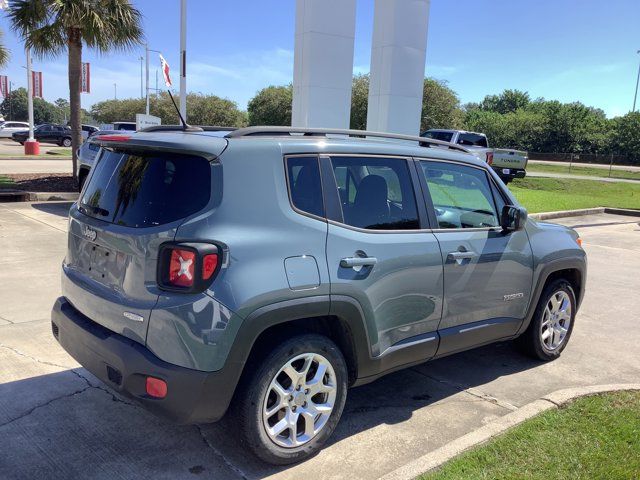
(299, 400)
(556, 320)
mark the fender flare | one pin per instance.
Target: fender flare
(549, 268)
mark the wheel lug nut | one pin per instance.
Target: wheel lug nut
(306, 390)
(304, 404)
(294, 408)
(298, 387)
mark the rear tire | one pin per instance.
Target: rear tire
(286, 415)
(552, 322)
(506, 180)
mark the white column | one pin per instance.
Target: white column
(398, 53)
(323, 63)
(30, 94)
(183, 59)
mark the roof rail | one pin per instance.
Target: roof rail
(279, 131)
(180, 128)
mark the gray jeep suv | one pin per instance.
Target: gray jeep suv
(266, 271)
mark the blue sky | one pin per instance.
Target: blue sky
(569, 50)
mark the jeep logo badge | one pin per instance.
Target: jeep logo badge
(89, 233)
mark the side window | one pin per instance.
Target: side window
(305, 187)
(461, 195)
(376, 193)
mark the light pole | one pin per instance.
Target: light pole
(30, 95)
(141, 87)
(115, 91)
(635, 97)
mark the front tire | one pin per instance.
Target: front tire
(292, 402)
(66, 142)
(552, 322)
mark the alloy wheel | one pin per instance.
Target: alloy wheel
(556, 320)
(299, 400)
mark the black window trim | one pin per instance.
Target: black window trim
(332, 197)
(429, 202)
(323, 219)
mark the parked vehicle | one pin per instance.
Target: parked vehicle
(268, 270)
(88, 130)
(7, 129)
(46, 133)
(507, 163)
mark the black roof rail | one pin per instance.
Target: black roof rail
(180, 128)
(279, 131)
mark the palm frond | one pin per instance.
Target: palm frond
(4, 51)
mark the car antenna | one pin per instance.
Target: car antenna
(185, 126)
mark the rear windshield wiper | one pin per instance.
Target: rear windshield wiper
(95, 210)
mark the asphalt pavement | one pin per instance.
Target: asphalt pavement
(58, 422)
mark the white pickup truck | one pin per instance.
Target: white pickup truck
(507, 163)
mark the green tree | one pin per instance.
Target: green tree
(440, 106)
(508, 101)
(359, 102)
(271, 106)
(4, 53)
(14, 107)
(203, 110)
(626, 135)
(51, 27)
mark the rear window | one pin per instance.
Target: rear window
(442, 136)
(137, 190)
(472, 140)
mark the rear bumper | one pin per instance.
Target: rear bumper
(505, 172)
(193, 396)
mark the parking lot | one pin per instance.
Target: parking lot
(57, 421)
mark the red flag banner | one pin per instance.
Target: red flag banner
(4, 85)
(85, 80)
(37, 84)
(165, 71)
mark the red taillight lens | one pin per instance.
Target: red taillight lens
(489, 158)
(209, 264)
(182, 267)
(114, 138)
(156, 388)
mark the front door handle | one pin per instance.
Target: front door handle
(460, 256)
(351, 262)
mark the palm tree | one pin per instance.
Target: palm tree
(49, 27)
(4, 53)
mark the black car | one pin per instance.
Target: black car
(47, 133)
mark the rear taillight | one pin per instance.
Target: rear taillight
(182, 267)
(188, 267)
(489, 158)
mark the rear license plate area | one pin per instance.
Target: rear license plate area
(105, 265)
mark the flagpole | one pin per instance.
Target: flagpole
(183, 59)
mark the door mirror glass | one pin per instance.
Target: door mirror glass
(513, 218)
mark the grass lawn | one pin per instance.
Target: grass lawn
(6, 182)
(553, 194)
(594, 437)
(583, 170)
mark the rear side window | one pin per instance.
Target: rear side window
(443, 136)
(305, 186)
(139, 190)
(376, 193)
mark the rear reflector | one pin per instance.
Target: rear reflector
(182, 267)
(156, 388)
(209, 264)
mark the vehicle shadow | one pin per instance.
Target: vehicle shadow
(61, 209)
(61, 425)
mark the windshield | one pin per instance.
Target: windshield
(143, 190)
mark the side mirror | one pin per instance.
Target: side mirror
(513, 218)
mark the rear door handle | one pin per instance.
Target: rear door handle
(351, 262)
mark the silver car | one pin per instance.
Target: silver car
(7, 129)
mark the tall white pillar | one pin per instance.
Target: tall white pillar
(398, 53)
(323, 63)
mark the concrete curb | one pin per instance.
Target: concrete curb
(585, 211)
(22, 196)
(485, 433)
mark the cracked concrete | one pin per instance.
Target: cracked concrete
(58, 421)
